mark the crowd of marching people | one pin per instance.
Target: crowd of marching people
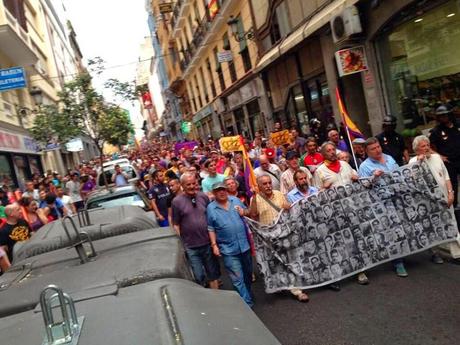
(204, 195)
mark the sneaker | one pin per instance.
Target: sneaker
(437, 259)
(334, 286)
(401, 270)
(362, 279)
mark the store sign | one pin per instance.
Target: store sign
(351, 60)
(17, 143)
(12, 78)
(74, 145)
(224, 56)
(165, 7)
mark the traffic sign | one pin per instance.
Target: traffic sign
(12, 78)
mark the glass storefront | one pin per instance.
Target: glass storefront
(307, 100)
(421, 64)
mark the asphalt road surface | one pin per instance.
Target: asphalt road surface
(420, 309)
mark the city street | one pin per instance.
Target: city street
(420, 309)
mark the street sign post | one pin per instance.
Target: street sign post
(12, 78)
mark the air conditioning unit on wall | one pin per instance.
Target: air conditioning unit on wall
(346, 24)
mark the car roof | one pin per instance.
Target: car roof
(100, 193)
(116, 161)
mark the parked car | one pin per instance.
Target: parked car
(112, 163)
(110, 170)
(118, 196)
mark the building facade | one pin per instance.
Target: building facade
(34, 36)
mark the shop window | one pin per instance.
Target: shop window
(421, 65)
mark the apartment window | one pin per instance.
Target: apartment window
(244, 51)
(206, 95)
(16, 8)
(211, 79)
(231, 64)
(220, 74)
(280, 26)
(198, 93)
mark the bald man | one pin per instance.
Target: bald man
(14, 230)
(333, 136)
(272, 170)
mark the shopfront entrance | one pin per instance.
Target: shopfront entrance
(420, 63)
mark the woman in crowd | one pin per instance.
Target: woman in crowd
(32, 214)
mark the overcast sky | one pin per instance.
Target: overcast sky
(113, 30)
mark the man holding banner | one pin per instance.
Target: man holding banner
(375, 165)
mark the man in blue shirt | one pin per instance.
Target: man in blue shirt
(376, 164)
(229, 239)
(302, 189)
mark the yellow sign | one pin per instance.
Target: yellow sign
(280, 138)
(166, 7)
(230, 144)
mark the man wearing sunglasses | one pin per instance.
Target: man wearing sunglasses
(190, 223)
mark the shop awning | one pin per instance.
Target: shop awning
(316, 22)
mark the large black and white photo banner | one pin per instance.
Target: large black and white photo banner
(342, 231)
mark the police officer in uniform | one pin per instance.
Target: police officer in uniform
(392, 143)
(445, 139)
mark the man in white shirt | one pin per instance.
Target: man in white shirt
(272, 170)
(73, 188)
(66, 201)
(31, 192)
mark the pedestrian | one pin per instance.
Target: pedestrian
(229, 239)
(267, 168)
(392, 143)
(158, 195)
(297, 142)
(312, 158)
(265, 207)
(334, 137)
(302, 189)
(232, 189)
(31, 191)
(359, 152)
(73, 187)
(33, 215)
(287, 177)
(421, 146)
(174, 189)
(333, 172)
(14, 230)
(445, 139)
(120, 178)
(376, 164)
(191, 225)
(213, 177)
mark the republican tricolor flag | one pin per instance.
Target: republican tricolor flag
(213, 8)
(353, 130)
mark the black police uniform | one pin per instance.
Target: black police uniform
(393, 144)
(447, 143)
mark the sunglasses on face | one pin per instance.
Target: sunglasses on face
(194, 202)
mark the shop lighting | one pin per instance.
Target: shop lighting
(418, 20)
(450, 15)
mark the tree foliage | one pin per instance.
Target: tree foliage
(82, 111)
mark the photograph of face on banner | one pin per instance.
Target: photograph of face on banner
(341, 231)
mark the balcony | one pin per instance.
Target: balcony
(205, 32)
(16, 42)
(179, 15)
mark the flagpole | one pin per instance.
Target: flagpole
(341, 106)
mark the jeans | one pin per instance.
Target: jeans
(204, 264)
(239, 268)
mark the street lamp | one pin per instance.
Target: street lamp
(237, 35)
(37, 95)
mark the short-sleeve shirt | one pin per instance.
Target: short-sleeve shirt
(160, 193)
(324, 174)
(295, 195)
(74, 190)
(268, 214)
(207, 183)
(191, 218)
(10, 234)
(367, 168)
(229, 227)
